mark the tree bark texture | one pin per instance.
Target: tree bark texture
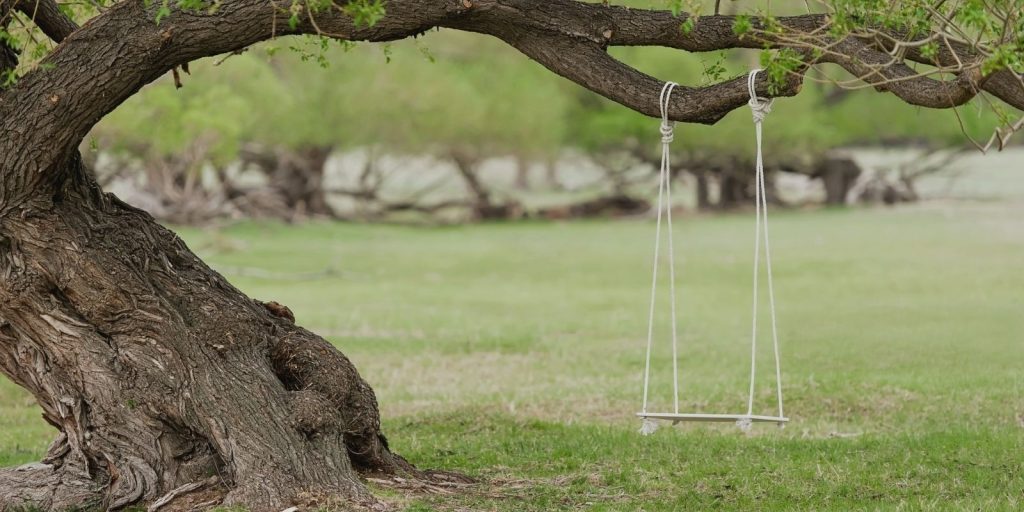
(159, 374)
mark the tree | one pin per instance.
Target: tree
(167, 384)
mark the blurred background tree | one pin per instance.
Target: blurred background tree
(452, 127)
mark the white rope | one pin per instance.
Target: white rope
(664, 206)
(666, 139)
(760, 108)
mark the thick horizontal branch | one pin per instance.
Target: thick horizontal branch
(46, 14)
(878, 69)
(577, 25)
(1007, 86)
(709, 33)
(100, 65)
(638, 27)
(584, 60)
(1003, 84)
(52, 108)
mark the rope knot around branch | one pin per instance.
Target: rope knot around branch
(667, 132)
(666, 124)
(759, 108)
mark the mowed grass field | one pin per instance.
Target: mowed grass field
(514, 353)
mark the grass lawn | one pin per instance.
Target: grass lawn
(514, 353)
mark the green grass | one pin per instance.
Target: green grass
(514, 353)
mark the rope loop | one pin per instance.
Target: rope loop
(664, 209)
(666, 94)
(667, 126)
(759, 107)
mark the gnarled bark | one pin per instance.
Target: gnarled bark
(159, 374)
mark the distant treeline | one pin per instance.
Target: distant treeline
(253, 139)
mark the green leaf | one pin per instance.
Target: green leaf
(675, 6)
(365, 13)
(742, 25)
(163, 12)
(930, 50)
(687, 27)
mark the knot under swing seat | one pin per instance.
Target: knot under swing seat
(760, 108)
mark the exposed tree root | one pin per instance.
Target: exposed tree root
(50, 487)
(427, 482)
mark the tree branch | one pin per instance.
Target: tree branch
(8, 54)
(100, 65)
(878, 69)
(46, 14)
(1003, 84)
(639, 27)
(584, 60)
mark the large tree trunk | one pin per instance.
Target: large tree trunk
(734, 189)
(703, 190)
(483, 205)
(161, 378)
(838, 174)
(300, 178)
(297, 176)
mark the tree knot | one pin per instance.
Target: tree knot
(280, 310)
(313, 414)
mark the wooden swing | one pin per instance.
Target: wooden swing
(760, 108)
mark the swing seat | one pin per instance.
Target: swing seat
(674, 417)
